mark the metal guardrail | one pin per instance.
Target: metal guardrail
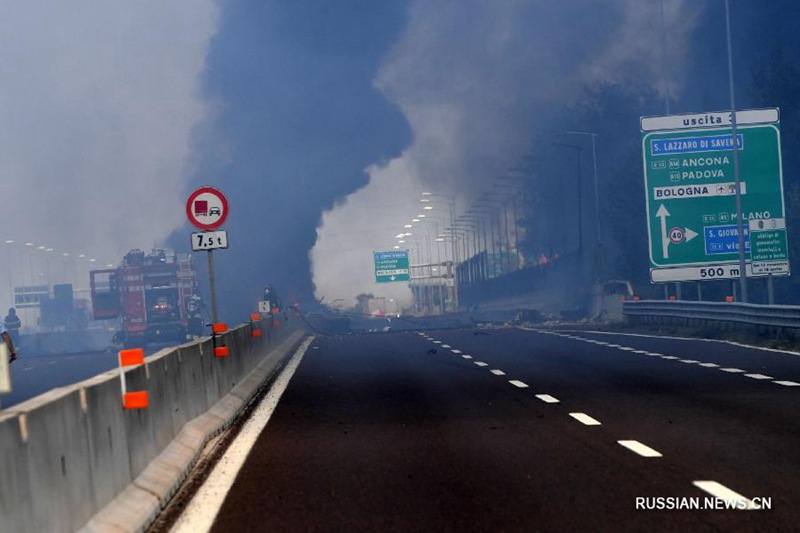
(779, 316)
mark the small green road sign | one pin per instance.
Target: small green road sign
(691, 195)
(391, 266)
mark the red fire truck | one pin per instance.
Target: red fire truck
(149, 293)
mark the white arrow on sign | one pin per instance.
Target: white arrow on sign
(391, 278)
(690, 235)
(663, 214)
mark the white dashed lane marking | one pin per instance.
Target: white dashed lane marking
(724, 493)
(445, 345)
(672, 357)
(467, 356)
(787, 383)
(481, 363)
(498, 372)
(583, 418)
(547, 398)
(638, 447)
(518, 383)
(456, 351)
(437, 342)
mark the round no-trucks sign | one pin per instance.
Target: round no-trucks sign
(207, 208)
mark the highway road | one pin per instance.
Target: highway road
(31, 376)
(523, 430)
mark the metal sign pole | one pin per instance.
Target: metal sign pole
(213, 284)
(736, 174)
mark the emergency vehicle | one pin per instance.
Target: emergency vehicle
(153, 296)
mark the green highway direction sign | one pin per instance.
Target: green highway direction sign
(691, 195)
(391, 266)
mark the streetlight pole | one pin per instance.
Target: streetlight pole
(501, 203)
(596, 200)
(736, 173)
(516, 190)
(578, 151)
(451, 204)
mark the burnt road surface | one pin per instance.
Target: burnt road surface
(520, 430)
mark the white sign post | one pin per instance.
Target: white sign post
(5, 374)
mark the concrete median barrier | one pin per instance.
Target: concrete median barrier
(74, 459)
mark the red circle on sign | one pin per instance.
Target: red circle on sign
(676, 235)
(207, 208)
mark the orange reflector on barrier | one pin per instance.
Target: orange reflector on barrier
(673, 297)
(255, 316)
(276, 323)
(219, 328)
(275, 310)
(221, 351)
(636, 298)
(729, 299)
(135, 400)
(133, 356)
(255, 333)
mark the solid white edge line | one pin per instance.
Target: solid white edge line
(583, 418)
(518, 383)
(547, 398)
(732, 343)
(202, 510)
(724, 493)
(638, 447)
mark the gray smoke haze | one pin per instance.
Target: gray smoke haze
(476, 80)
(97, 103)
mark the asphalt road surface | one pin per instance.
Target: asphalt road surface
(515, 430)
(31, 376)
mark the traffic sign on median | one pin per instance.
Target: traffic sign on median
(392, 266)
(691, 195)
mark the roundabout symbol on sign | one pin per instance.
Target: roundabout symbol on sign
(207, 208)
(676, 235)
